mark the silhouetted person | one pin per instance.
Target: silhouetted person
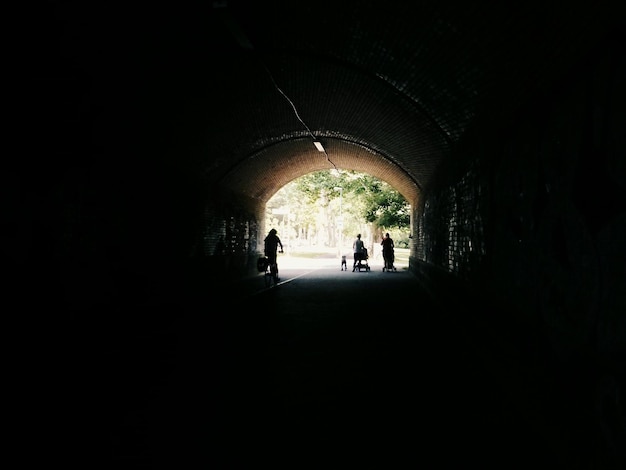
(272, 242)
(358, 249)
(388, 252)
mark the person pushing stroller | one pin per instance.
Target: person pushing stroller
(388, 253)
(358, 247)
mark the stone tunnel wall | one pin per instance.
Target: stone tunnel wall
(527, 215)
(229, 238)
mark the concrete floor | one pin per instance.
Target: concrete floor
(332, 368)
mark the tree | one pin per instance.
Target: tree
(364, 199)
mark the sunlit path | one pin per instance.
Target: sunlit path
(311, 258)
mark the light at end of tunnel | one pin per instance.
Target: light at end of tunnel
(319, 146)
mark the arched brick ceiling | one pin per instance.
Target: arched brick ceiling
(387, 87)
(236, 90)
(364, 124)
(286, 161)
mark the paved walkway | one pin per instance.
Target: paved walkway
(308, 260)
(335, 368)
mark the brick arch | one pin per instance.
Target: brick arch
(263, 174)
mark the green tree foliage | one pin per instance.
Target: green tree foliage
(325, 204)
(314, 186)
(387, 208)
(365, 196)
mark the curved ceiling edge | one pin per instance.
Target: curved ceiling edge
(261, 175)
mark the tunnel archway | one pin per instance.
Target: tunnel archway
(256, 179)
(150, 132)
(263, 174)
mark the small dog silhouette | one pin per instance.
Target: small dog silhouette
(344, 265)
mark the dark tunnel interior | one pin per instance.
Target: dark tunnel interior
(147, 132)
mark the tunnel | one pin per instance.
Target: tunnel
(152, 130)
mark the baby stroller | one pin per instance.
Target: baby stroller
(388, 258)
(362, 262)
